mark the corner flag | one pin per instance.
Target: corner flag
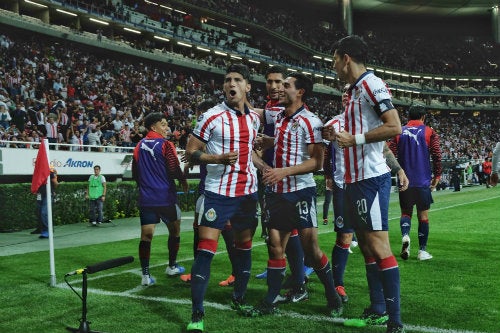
(42, 169)
(41, 176)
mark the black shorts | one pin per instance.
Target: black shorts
(294, 210)
(419, 196)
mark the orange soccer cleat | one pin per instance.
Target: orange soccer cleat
(227, 282)
(186, 277)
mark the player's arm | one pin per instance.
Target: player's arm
(263, 142)
(172, 161)
(391, 127)
(195, 152)
(396, 168)
(259, 162)
(314, 163)
(260, 112)
(435, 152)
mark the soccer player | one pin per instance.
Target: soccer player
(154, 167)
(227, 232)
(487, 167)
(495, 165)
(223, 139)
(275, 77)
(334, 168)
(414, 148)
(369, 119)
(291, 203)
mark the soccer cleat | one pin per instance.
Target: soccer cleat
(94, 223)
(227, 282)
(239, 304)
(335, 312)
(394, 328)
(373, 318)
(196, 324)
(297, 294)
(424, 255)
(308, 270)
(44, 234)
(280, 299)
(262, 275)
(405, 249)
(325, 221)
(262, 309)
(342, 294)
(174, 270)
(148, 280)
(186, 277)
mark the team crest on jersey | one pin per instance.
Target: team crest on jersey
(357, 93)
(254, 124)
(210, 215)
(295, 126)
(339, 222)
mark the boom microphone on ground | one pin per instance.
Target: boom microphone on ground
(75, 272)
(90, 269)
(101, 266)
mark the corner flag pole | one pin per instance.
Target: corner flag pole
(51, 232)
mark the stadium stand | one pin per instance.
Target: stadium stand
(107, 86)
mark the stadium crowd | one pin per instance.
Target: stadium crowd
(456, 54)
(102, 101)
(476, 55)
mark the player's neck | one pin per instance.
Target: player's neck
(292, 108)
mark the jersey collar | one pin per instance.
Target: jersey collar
(153, 135)
(237, 112)
(361, 77)
(295, 113)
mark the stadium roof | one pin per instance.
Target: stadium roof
(421, 7)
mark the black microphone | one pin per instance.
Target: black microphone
(101, 266)
(76, 271)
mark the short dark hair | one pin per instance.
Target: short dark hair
(354, 46)
(153, 118)
(240, 69)
(205, 105)
(416, 112)
(303, 82)
(97, 166)
(276, 69)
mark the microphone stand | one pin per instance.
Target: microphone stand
(84, 324)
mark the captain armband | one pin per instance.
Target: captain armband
(196, 157)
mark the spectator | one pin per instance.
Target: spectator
(96, 193)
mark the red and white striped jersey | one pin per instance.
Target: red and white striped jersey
(223, 130)
(292, 135)
(338, 164)
(368, 99)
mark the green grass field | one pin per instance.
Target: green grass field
(455, 292)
